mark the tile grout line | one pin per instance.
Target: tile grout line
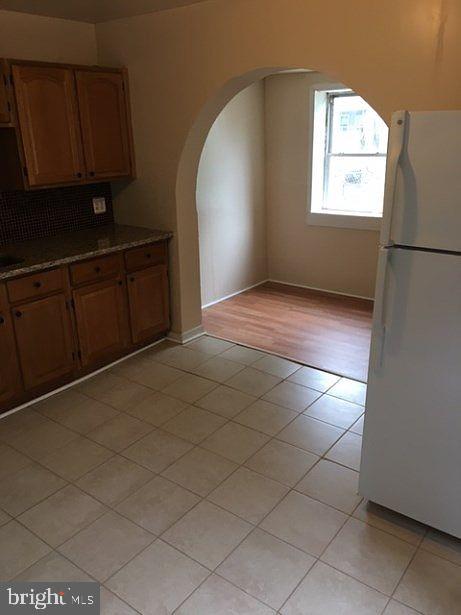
(202, 499)
(290, 488)
(115, 504)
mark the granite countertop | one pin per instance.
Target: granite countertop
(39, 254)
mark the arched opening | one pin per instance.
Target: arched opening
(334, 259)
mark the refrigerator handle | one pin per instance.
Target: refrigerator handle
(396, 141)
(379, 323)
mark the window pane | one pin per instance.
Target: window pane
(355, 185)
(355, 127)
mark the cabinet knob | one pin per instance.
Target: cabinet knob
(131, 279)
(97, 269)
(79, 175)
(148, 255)
(2, 320)
(18, 314)
(37, 284)
(120, 283)
(92, 173)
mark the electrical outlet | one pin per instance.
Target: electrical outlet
(99, 205)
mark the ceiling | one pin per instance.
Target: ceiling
(92, 11)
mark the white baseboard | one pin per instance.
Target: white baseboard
(322, 290)
(187, 336)
(238, 292)
(82, 379)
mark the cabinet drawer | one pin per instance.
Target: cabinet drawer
(145, 256)
(96, 269)
(36, 285)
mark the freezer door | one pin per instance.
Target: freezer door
(426, 197)
(411, 455)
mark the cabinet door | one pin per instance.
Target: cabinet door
(10, 378)
(149, 305)
(104, 121)
(100, 311)
(49, 125)
(4, 102)
(44, 340)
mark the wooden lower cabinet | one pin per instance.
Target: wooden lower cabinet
(44, 340)
(148, 300)
(5, 116)
(59, 324)
(10, 377)
(101, 317)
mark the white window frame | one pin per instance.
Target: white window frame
(318, 113)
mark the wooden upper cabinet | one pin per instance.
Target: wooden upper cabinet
(48, 120)
(4, 98)
(44, 339)
(105, 124)
(63, 125)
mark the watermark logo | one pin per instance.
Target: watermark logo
(64, 598)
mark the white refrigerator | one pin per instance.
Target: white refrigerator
(411, 454)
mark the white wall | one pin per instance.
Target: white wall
(334, 259)
(231, 198)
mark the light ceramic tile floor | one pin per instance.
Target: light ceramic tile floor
(212, 479)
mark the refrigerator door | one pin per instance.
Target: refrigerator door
(423, 196)
(411, 455)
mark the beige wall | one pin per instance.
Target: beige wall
(230, 198)
(30, 37)
(186, 63)
(183, 63)
(335, 259)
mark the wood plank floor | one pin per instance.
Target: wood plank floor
(330, 332)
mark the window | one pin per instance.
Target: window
(349, 143)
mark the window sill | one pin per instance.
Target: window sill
(365, 223)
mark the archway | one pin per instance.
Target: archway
(197, 145)
(186, 183)
(398, 56)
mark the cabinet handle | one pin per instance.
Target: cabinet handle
(18, 314)
(97, 269)
(2, 320)
(37, 284)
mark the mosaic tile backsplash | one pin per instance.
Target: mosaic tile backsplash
(42, 213)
